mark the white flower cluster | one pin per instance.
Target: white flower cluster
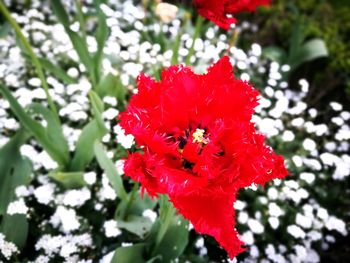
(7, 249)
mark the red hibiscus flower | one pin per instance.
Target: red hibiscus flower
(217, 10)
(199, 145)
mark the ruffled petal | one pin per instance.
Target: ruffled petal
(212, 215)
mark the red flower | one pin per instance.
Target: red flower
(217, 10)
(199, 145)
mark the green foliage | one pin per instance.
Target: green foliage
(326, 20)
(108, 166)
(49, 136)
(15, 171)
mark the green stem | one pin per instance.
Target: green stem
(32, 55)
(130, 200)
(167, 213)
(197, 31)
(81, 19)
(177, 43)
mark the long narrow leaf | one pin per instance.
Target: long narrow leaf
(110, 170)
(101, 36)
(53, 130)
(36, 129)
(84, 152)
(78, 42)
(57, 71)
(15, 171)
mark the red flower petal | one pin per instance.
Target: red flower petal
(218, 10)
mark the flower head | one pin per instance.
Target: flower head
(199, 145)
(218, 10)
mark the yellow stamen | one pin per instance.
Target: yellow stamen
(198, 136)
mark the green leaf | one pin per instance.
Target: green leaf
(78, 42)
(84, 152)
(311, 50)
(15, 171)
(53, 130)
(108, 85)
(56, 71)
(97, 104)
(102, 33)
(37, 130)
(275, 54)
(130, 254)
(137, 225)
(69, 180)
(174, 240)
(93, 131)
(108, 166)
(4, 29)
(81, 48)
(60, 12)
(15, 228)
(97, 109)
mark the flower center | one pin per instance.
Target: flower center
(198, 136)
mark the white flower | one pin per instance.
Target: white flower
(120, 166)
(312, 256)
(242, 217)
(304, 221)
(300, 251)
(336, 106)
(150, 214)
(125, 140)
(65, 217)
(110, 114)
(106, 192)
(42, 259)
(288, 136)
(111, 228)
(44, 193)
(254, 251)
(7, 249)
(22, 191)
(296, 231)
(199, 243)
(307, 177)
(255, 226)
(256, 50)
(272, 193)
(90, 178)
(17, 207)
(67, 250)
(334, 223)
(239, 205)
(275, 210)
(166, 12)
(309, 144)
(76, 198)
(274, 222)
(248, 238)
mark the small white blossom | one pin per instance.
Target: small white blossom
(90, 178)
(17, 207)
(7, 249)
(66, 218)
(150, 214)
(44, 193)
(296, 231)
(255, 226)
